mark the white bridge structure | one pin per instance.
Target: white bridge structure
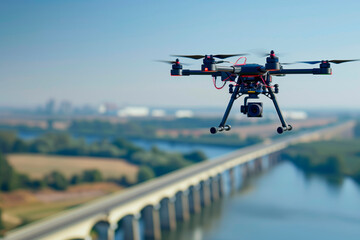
(160, 203)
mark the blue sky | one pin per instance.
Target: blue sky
(103, 51)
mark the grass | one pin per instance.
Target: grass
(24, 206)
(37, 165)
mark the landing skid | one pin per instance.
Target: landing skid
(239, 91)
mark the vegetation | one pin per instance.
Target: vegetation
(145, 173)
(1, 221)
(153, 163)
(9, 179)
(145, 129)
(336, 158)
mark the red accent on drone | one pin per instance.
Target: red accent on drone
(244, 63)
(206, 69)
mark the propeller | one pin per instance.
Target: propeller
(331, 61)
(221, 56)
(217, 62)
(173, 62)
(263, 53)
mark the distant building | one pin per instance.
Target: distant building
(65, 107)
(134, 112)
(50, 106)
(184, 114)
(158, 113)
(296, 115)
(108, 108)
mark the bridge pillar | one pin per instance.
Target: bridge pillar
(214, 189)
(152, 229)
(232, 179)
(194, 199)
(258, 165)
(167, 214)
(221, 185)
(103, 230)
(245, 171)
(182, 206)
(205, 193)
(130, 227)
(273, 158)
(111, 231)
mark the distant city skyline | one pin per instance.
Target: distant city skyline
(92, 52)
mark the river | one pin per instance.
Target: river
(281, 203)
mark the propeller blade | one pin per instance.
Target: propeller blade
(223, 56)
(172, 62)
(218, 62)
(309, 62)
(196, 57)
(332, 61)
(344, 61)
(263, 53)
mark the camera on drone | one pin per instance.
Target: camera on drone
(253, 109)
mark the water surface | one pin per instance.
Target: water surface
(280, 204)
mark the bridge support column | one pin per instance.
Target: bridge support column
(258, 165)
(152, 229)
(214, 189)
(232, 179)
(273, 159)
(194, 199)
(103, 230)
(111, 231)
(205, 193)
(245, 171)
(221, 185)
(167, 214)
(131, 228)
(182, 206)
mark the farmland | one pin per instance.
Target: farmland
(38, 165)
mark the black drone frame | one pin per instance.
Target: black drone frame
(251, 80)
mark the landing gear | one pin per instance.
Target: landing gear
(253, 88)
(214, 130)
(280, 130)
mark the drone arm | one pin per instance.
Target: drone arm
(230, 69)
(187, 72)
(314, 71)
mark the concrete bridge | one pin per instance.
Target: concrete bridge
(160, 203)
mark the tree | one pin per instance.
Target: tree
(7, 140)
(1, 221)
(92, 176)
(56, 180)
(75, 179)
(196, 156)
(357, 129)
(8, 177)
(145, 173)
(334, 164)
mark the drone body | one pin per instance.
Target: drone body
(250, 80)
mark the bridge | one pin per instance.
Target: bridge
(162, 202)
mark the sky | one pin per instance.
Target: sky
(91, 52)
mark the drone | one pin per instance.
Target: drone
(249, 80)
